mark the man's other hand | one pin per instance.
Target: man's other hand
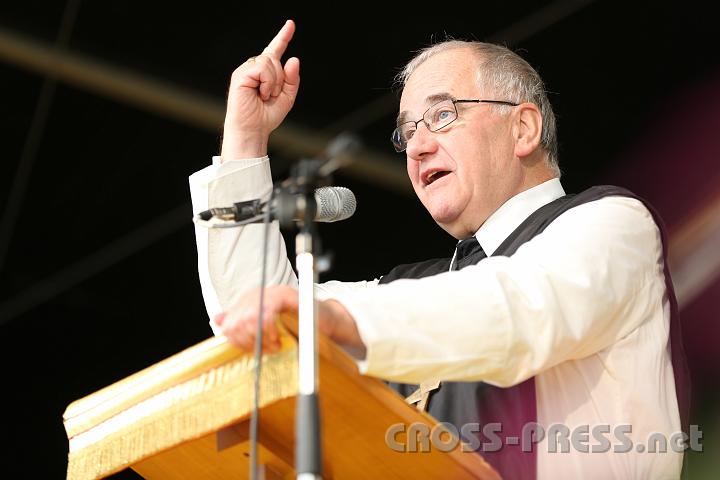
(239, 323)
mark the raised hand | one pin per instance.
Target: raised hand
(262, 92)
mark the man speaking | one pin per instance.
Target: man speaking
(553, 310)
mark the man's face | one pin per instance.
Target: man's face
(465, 171)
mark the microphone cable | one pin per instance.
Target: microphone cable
(226, 224)
(255, 415)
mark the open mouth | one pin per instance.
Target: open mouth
(434, 176)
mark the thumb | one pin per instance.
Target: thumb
(292, 77)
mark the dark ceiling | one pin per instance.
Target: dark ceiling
(98, 269)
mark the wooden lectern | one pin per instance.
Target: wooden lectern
(186, 418)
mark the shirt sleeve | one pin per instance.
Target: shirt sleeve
(592, 277)
(230, 259)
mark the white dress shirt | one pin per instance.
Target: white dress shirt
(582, 307)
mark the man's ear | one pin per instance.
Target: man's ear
(527, 129)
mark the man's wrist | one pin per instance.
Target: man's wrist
(343, 329)
(234, 148)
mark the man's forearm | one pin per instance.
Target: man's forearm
(230, 260)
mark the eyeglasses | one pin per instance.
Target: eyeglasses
(436, 117)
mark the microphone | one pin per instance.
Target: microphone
(332, 205)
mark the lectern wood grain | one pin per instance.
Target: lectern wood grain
(186, 417)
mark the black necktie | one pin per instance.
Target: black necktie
(469, 252)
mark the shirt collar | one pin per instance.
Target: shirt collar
(513, 212)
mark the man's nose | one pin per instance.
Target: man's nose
(422, 143)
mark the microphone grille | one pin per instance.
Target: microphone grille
(334, 204)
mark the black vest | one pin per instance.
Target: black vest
(462, 403)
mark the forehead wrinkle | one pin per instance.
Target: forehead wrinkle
(429, 101)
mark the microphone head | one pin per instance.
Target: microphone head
(334, 204)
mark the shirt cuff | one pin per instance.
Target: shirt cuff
(201, 180)
(367, 330)
(217, 160)
(216, 169)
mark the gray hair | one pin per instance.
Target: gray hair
(506, 73)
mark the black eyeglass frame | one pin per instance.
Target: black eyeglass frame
(396, 140)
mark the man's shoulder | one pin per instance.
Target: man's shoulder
(595, 202)
(611, 198)
(597, 193)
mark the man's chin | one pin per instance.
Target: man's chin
(444, 219)
(451, 222)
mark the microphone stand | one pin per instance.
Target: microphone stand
(307, 175)
(308, 453)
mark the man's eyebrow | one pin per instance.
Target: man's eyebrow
(429, 101)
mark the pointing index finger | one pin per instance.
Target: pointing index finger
(278, 45)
